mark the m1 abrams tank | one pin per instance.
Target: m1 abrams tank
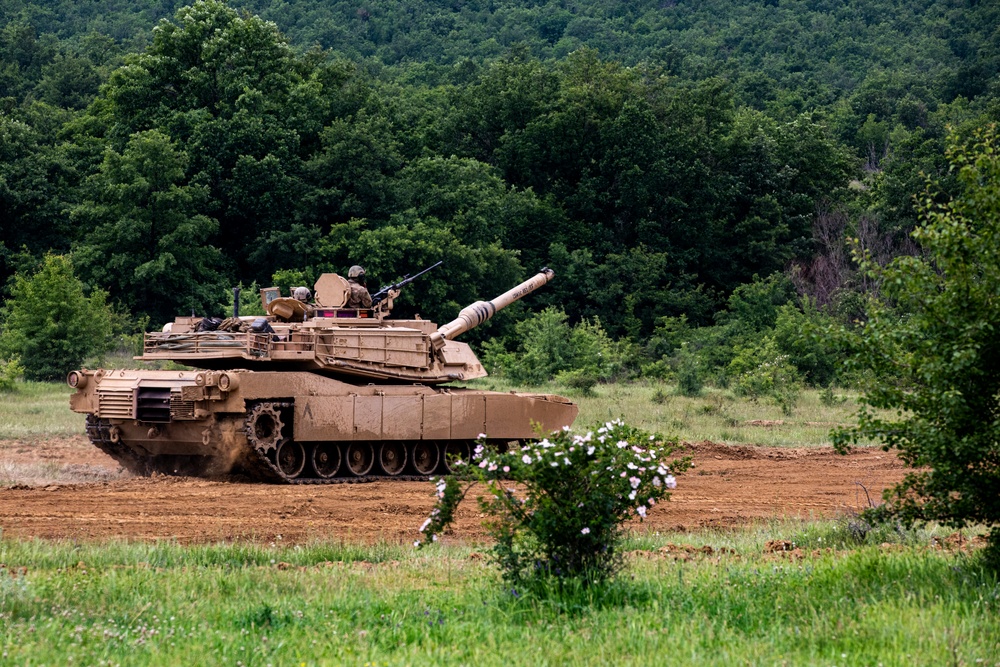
(313, 393)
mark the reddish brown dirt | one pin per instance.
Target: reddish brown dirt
(730, 486)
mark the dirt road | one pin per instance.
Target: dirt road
(729, 486)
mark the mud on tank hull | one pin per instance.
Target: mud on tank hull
(298, 427)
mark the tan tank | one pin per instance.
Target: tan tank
(313, 393)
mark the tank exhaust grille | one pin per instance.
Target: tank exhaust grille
(181, 409)
(115, 404)
(153, 405)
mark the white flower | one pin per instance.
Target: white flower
(566, 461)
(670, 482)
(526, 458)
(651, 501)
(417, 543)
(652, 437)
(481, 436)
(631, 466)
(434, 538)
(631, 496)
(492, 467)
(424, 527)
(641, 510)
(565, 429)
(656, 481)
(554, 464)
(506, 468)
(621, 475)
(609, 426)
(622, 444)
(634, 481)
(590, 451)
(585, 531)
(484, 463)
(661, 470)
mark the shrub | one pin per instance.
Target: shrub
(934, 394)
(10, 372)
(800, 333)
(547, 345)
(557, 506)
(50, 324)
(761, 371)
(581, 379)
(689, 377)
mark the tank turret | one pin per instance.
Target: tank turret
(326, 337)
(313, 392)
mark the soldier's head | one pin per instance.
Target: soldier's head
(302, 293)
(357, 274)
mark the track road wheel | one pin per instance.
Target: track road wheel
(290, 458)
(425, 457)
(392, 457)
(453, 453)
(326, 459)
(360, 458)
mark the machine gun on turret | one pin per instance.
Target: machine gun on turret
(407, 279)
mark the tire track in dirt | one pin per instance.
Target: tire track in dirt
(729, 486)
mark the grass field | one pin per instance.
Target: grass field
(36, 410)
(716, 415)
(333, 604)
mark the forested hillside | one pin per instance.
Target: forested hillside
(691, 170)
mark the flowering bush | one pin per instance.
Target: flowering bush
(556, 506)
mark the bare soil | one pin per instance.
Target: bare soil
(52, 494)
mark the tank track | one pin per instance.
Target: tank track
(257, 465)
(99, 432)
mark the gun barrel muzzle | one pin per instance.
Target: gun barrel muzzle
(474, 315)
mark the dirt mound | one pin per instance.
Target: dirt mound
(729, 486)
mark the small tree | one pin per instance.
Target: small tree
(935, 351)
(557, 506)
(50, 325)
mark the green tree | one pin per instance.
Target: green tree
(247, 110)
(935, 351)
(149, 246)
(50, 324)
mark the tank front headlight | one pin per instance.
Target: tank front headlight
(228, 382)
(76, 379)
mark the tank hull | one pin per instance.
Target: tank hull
(299, 427)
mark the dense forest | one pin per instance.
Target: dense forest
(697, 173)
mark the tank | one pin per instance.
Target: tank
(315, 392)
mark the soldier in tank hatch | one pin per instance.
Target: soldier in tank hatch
(359, 296)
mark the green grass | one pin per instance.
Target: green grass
(716, 415)
(331, 604)
(38, 409)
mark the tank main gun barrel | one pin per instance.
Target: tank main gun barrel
(474, 315)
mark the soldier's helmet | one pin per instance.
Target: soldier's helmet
(356, 272)
(302, 293)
